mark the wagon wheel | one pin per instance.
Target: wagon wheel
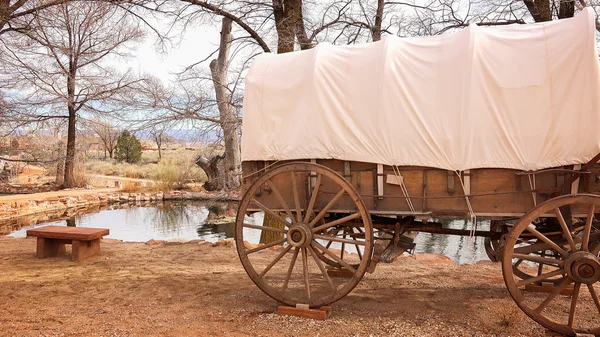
(571, 258)
(347, 232)
(295, 272)
(493, 247)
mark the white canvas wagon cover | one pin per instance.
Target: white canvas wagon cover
(520, 96)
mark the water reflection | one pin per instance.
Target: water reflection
(461, 249)
(162, 221)
(202, 220)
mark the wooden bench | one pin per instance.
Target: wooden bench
(51, 241)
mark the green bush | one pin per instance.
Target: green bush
(128, 148)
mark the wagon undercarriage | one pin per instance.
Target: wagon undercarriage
(327, 215)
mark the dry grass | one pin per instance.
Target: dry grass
(80, 178)
(174, 171)
(176, 174)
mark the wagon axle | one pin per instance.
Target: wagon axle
(583, 267)
(300, 235)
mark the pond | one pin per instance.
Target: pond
(165, 221)
(187, 221)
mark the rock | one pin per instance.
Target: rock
(486, 262)
(248, 245)
(223, 243)
(154, 242)
(434, 259)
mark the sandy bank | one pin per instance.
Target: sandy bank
(183, 289)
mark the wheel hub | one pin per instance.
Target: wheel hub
(299, 235)
(583, 267)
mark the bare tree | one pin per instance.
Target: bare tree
(107, 133)
(64, 68)
(16, 14)
(224, 171)
(159, 133)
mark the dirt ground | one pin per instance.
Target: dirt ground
(194, 289)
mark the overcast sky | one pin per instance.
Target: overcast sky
(195, 44)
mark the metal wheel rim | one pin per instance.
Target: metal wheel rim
(537, 314)
(277, 294)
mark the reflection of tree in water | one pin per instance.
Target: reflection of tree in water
(461, 239)
(434, 243)
(169, 217)
(459, 248)
(218, 229)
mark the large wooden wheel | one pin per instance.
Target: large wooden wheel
(565, 260)
(493, 247)
(309, 230)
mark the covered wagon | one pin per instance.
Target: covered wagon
(342, 145)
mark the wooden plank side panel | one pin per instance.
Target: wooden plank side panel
(493, 191)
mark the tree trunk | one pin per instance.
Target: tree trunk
(283, 11)
(566, 9)
(224, 172)
(69, 180)
(540, 10)
(60, 165)
(376, 29)
(70, 158)
(214, 168)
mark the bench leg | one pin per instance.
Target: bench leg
(49, 248)
(84, 249)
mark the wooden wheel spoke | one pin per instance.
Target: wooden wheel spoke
(545, 239)
(336, 222)
(336, 239)
(271, 244)
(588, 228)
(539, 259)
(540, 277)
(317, 245)
(327, 208)
(574, 303)
(313, 198)
(553, 245)
(305, 269)
(553, 294)
(335, 232)
(519, 261)
(270, 212)
(287, 273)
(266, 228)
(296, 198)
(356, 245)
(290, 269)
(343, 245)
(532, 248)
(287, 249)
(321, 267)
(565, 228)
(281, 201)
(594, 296)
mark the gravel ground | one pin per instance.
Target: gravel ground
(184, 289)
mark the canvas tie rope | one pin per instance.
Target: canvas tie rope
(471, 212)
(403, 187)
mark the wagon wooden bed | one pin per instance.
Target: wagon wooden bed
(323, 214)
